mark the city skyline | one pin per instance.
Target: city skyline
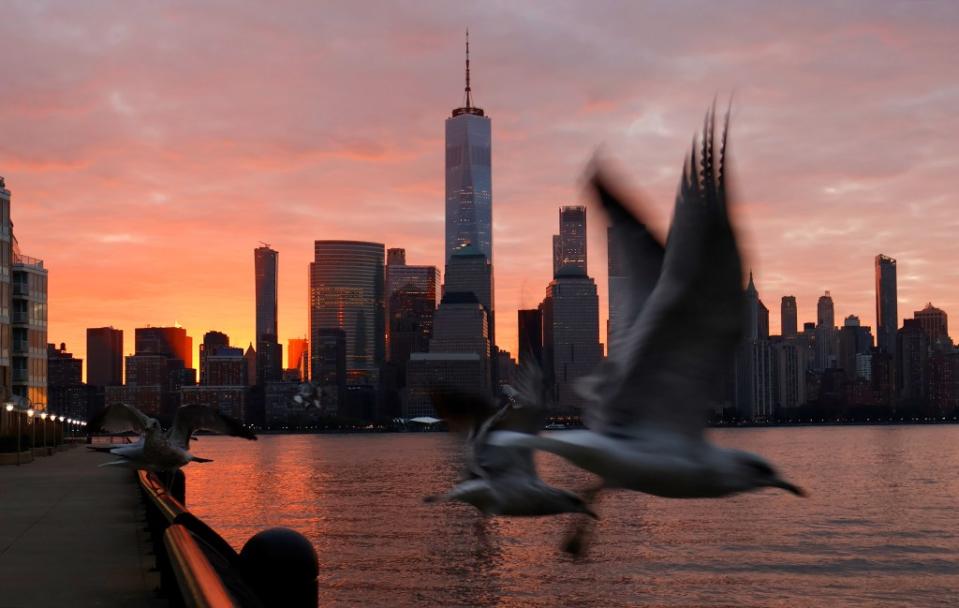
(161, 212)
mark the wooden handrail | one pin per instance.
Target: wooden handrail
(200, 585)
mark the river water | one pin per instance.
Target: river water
(878, 529)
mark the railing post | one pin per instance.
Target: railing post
(282, 567)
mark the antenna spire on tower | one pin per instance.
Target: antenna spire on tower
(469, 97)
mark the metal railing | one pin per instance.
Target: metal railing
(19, 316)
(199, 583)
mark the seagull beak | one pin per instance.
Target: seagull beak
(785, 485)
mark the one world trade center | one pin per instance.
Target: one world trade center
(469, 201)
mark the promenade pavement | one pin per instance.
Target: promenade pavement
(73, 534)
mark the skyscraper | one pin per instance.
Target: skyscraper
(788, 317)
(6, 257)
(752, 387)
(346, 292)
(212, 342)
(935, 323)
(825, 311)
(269, 356)
(569, 249)
(468, 271)
(617, 264)
(104, 356)
(168, 341)
(571, 347)
(530, 326)
(469, 183)
(887, 315)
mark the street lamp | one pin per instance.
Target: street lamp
(43, 417)
(9, 407)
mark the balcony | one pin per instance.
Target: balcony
(20, 376)
(19, 316)
(21, 289)
(21, 347)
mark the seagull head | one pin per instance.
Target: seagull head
(757, 473)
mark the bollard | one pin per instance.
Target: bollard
(282, 567)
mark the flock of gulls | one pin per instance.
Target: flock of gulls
(646, 405)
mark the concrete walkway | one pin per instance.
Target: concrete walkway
(73, 534)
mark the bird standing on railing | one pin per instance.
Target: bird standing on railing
(163, 451)
(680, 328)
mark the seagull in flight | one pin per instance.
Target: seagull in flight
(503, 480)
(158, 450)
(681, 324)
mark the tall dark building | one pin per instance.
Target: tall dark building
(469, 176)
(347, 293)
(62, 367)
(530, 325)
(269, 356)
(6, 259)
(212, 342)
(789, 317)
(752, 385)
(935, 323)
(854, 340)
(887, 315)
(571, 347)
(168, 341)
(912, 357)
(469, 271)
(825, 311)
(104, 356)
(410, 304)
(329, 365)
(569, 247)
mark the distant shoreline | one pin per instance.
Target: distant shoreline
(744, 425)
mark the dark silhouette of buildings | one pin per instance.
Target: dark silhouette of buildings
(347, 293)
(788, 317)
(569, 246)
(168, 341)
(67, 393)
(104, 356)
(530, 326)
(887, 316)
(269, 363)
(212, 342)
(935, 323)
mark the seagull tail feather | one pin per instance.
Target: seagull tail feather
(198, 459)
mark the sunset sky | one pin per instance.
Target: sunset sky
(150, 146)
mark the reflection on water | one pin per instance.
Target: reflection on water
(878, 529)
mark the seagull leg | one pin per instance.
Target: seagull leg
(575, 543)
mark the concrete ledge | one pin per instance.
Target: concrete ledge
(11, 458)
(38, 452)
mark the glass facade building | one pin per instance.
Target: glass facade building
(469, 177)
(347, 293)
(29, 328)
